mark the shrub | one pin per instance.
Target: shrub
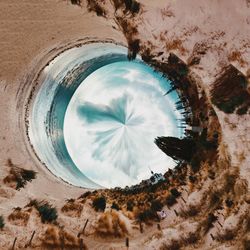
(208, 223)
(170, 200)
(76, 2)
(133, 49)
(28, 175)
(111, 224)
(85, 195)
(94, 6)
(1, 222)
(175, 192)
(130, 205)
(99, 203)
(146, 215)
(156, 205)
(46, 211)
(132, 6)
(115, 206)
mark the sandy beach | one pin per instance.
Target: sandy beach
(32, 33)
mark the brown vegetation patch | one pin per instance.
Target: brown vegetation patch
(72, 208)
(111, 224)
(55, 237)
(19, 217)
(229, 92)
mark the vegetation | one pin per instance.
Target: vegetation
(95, 6)
(132, 5)
(19, 176)
(115, 206)
(170, 200)
(156, 205)
(99, 203)
(111, 224)
(47, 212)
(76, 2)
(175, 192)
(133, 49)
(58, 238)
(72, 208)
(229, 92)
(178, 149)
(1, 222)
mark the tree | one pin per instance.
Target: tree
(1, 222)
(178, 149)
(99, 203)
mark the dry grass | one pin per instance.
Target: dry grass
(111, 224)
(175, 44)
(55, 237)
(167, 12)
(235, 56)
(19, 217)
(18, 177)
(72, 209)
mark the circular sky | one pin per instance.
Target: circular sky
(112, 120)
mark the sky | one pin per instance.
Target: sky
(112, 120)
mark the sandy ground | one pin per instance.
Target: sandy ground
(31, 28)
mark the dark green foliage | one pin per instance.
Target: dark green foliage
(209, 222)
(192, 179)
(229, 92)
(1, 222)
(229, 203)
(175, 192)
(130, 205)
(242, 111)
(94, 6)
(195, 163)
(76, 2)
(115, 206)
(230, 105)
(23, 176)
(156, 205)
(133, 49)
(146, 215)
(178, 149)
(132, 6)
(20, 183)
(28, 175)
(47, 212)
(170, 200)
(99, 203)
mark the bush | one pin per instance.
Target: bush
(175, 192)
(146, 215)
(1, 222)
(47, 212)
(170, 200)
(115, 206)
(99, 203)
(132, 6)
(85, 195)
(76, 2)
(156, 205)
(133, 49)
(28, 175)
(130, 205)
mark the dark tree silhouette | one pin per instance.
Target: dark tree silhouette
(178, 149)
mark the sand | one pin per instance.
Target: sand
(30, 29)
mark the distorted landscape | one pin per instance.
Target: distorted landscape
(125, 124)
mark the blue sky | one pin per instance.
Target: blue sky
(112, 120)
